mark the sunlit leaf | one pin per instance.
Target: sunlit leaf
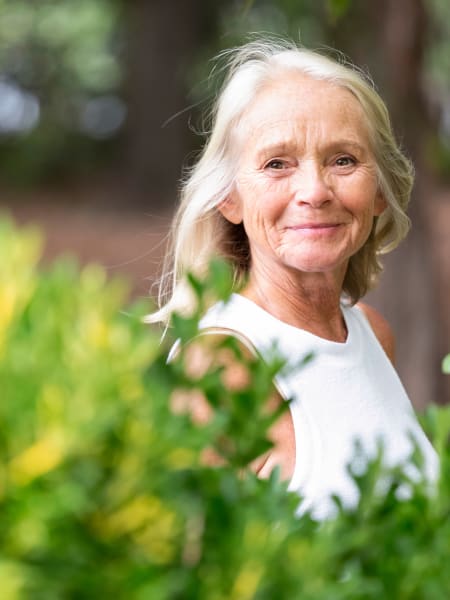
(446, 365)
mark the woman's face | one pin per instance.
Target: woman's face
(306, 188)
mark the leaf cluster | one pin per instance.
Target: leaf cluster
(103, 488)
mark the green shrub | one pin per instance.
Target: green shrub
(103, 493)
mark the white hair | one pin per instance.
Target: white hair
(199, 230)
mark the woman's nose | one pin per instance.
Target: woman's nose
(310, 185)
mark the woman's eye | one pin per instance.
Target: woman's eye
(345, 161)
(275, 164)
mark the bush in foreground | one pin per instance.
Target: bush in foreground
(103, 492)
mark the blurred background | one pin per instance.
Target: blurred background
(100, 110)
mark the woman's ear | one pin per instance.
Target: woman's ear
(380, 204)
(231, 208)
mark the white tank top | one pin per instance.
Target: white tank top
(347, 392)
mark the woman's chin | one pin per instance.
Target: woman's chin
(317, 264)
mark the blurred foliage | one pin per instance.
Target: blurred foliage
(60, 72)
(438, 47)
(436, 83)
(303, 21)
(62, 101)
(103, 492)
(438, 153)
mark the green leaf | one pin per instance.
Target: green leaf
(220, 278)
(184, 328)
(338, 9)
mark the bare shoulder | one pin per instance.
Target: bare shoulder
(381, 328)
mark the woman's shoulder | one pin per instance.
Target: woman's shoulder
(381, 329)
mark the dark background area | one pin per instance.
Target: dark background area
(100, 102)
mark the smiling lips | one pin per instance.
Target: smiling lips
(316, 228)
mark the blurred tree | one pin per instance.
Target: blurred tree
(162, 40)
(60, 73)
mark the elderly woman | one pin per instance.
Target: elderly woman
(301, 186)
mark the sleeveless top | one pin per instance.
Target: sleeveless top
(348, 391)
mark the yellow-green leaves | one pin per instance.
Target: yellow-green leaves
(104, 490)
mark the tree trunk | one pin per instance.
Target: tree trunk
(162, 38)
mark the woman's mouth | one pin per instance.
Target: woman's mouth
(316, 228)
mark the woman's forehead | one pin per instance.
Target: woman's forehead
(294, 92)
(297, 104)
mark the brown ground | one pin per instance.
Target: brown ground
(126, 242)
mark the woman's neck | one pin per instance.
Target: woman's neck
(309, 301)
